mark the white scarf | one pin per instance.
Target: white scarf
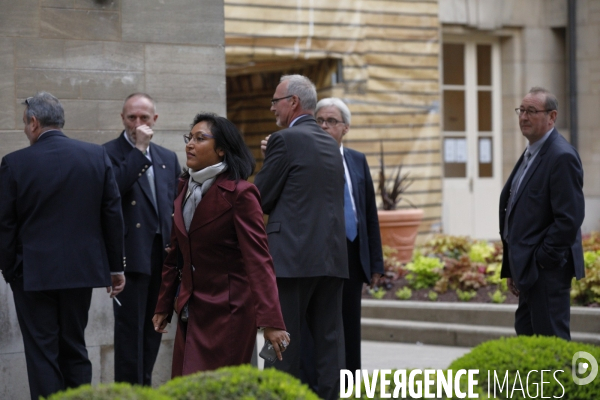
(200, 182)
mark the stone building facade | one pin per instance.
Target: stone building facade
(91, 54)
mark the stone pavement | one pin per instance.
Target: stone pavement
(392, 355)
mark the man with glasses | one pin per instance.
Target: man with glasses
(302, 189)
(541, 212)
(61, 234)
(147, 176)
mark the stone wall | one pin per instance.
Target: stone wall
(91, 54)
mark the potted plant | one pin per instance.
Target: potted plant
(398, 226)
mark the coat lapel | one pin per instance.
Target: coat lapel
(161, 175)
(145, 185)
(213, 203)
(534, 165)
(352, 172)
(178, 212)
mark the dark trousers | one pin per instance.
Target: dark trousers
(53, 325)
(545, 308)
(351, 312)
(351, 306)
(136, 341)
(317, 303)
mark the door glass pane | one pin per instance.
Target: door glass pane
(484, 110)
(455, 157)
(454, 64)
(485, 157)
(484, 64)
(454, 110)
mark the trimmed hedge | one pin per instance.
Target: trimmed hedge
(241, 382)
(527, 353)
(121, 391)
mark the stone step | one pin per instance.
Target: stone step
(442, 333)
(583, 319)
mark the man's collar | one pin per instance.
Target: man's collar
(535, 147)
(297, 118)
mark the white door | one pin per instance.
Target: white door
(471, 148)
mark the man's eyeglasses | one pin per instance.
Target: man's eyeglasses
(187, 138)
(329, 121)
(529, 111)
(274, 101)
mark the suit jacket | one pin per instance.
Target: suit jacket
(302, 188)
(545, 220)
(363, 192)
(227, 277)
(143, 219)
(60, 215)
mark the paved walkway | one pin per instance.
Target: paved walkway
(391, 355)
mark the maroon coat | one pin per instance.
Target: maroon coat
(232, 290)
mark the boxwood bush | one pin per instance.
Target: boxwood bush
(121, 391)
(240, 382)
(524, 354)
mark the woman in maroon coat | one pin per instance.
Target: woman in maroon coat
(219, 249)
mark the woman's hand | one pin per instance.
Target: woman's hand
(279, 338)
(160, 322)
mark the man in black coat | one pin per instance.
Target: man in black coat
(365, 258)
(147, 176)
(541, 212)
(61, 234)
(302, 189)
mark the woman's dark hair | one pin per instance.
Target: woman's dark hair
(239, 159)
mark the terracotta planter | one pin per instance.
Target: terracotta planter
(399, 230)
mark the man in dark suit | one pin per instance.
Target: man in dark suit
(363, 240)
(541, 212)
(302, 189)
(147, 176)
(61, 234)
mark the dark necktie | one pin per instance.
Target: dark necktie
(349, 214)
(514, 187)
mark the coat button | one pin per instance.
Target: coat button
(173, 215)
(133, 203)
(138, 225)
(140, 174)
(164, 166)
(145, 166)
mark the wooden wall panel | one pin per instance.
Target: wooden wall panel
(380, 56)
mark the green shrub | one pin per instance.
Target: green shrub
(432, 295)
(240, 382)
(481, 252)
(497, 297)
(404, 293)
(447, 246)
(393, 269)
(492, 274)
(591, 241)
(525, 354)
(423, 271)
(461, 273)
(587, 290)
(377, 293)
(121, 391)
(465, 295)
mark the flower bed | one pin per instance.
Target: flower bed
(456, 268)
